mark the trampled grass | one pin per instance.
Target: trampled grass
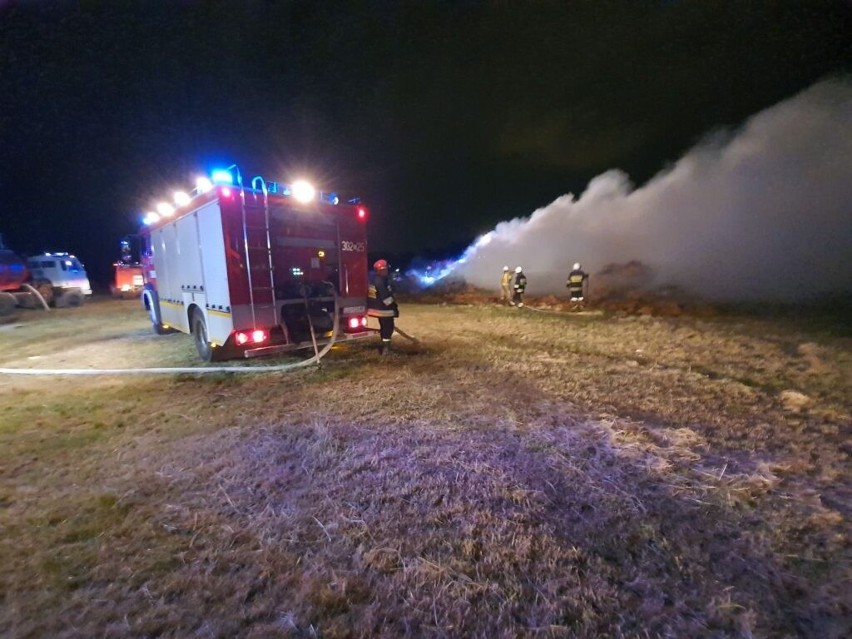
(515, 474)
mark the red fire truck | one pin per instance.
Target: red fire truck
(256, 269)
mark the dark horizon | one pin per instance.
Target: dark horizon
(445, 118)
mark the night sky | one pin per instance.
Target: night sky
(445, 117)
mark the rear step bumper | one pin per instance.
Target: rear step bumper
(286, 348)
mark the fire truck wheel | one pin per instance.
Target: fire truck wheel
(158, 327)
(45, 289)
(206, 350)
(7, 304)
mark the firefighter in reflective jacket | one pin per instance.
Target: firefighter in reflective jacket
(506, 285)
(577, 278)
(520, 286)
(381, 304)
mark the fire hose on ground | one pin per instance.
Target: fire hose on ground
(315, 359)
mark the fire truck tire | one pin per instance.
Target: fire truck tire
(45, 289)
(71, 298)
(7, 304)
(206, 350)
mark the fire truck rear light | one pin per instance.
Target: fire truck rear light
(362, 213)
(356, 323)
(226, 192)
(257, 336)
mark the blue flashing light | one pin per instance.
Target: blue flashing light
(221, 176)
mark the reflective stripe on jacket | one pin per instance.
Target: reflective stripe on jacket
(380, 302)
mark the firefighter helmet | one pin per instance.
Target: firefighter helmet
(505, 268)
(380, 265)
(518, 269)
(577, 266)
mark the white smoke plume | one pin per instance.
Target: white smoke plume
(764, 214)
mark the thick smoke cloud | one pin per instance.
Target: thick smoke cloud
(765, 213)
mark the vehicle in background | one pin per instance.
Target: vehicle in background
(60, 278)
(256, 270)
(127, 280)
(13, 271)
(57, 279)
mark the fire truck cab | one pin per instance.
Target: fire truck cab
(256, 269)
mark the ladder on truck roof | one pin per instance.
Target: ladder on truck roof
(255, 218)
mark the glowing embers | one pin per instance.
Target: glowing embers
(257, 336)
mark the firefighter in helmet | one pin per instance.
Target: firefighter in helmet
(506, 285)
(520, 286)
(577, 282)
(381, 304)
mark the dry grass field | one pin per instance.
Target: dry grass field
(518, 473)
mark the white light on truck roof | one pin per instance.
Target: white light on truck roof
(165, 209)
(150, 218)
(181, 198)
(303, 191)
(203, 184)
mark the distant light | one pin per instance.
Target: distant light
(333, 199)
(320, 253)
(203, 184)
(220, 176)
(150, 218)
(165, 209)
(362, 213)
(303, 191)
(181, 198)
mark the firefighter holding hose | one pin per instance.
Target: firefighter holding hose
(578, 283)
(381, 304)
(520, 287)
